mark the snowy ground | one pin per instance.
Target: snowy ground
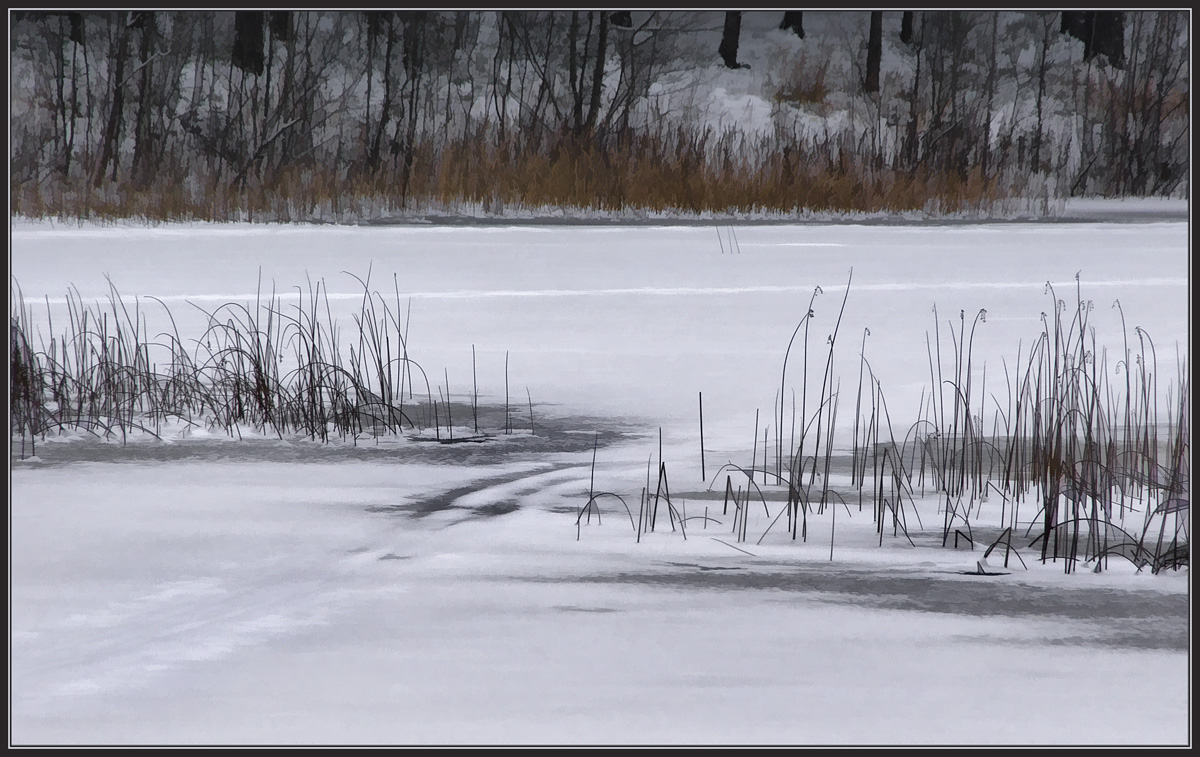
(207, 591)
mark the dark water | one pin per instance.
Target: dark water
(1105, 616)
(551, 434)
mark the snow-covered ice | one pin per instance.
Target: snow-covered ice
(210, 591)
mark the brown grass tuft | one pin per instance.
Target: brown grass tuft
(683, 172)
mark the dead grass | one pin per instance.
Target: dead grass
(683, 172)
(804, 84)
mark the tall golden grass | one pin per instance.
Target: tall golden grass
(683, 173)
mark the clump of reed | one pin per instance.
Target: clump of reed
(1097, 470)
(96, 376)
(279, 366)
(1087, 454)
(1107, 476)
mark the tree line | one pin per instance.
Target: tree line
(208, 104)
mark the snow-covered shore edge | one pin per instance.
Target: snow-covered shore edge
(1079, 210)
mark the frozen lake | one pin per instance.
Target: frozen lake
(637, 320)
(282, 592)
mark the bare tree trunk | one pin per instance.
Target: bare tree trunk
(460, 29)
(729, 39)
(1100, 32)
(268, 75)
(1041, 93)
(1164, 84)
(77, 38)
(112, 128)
(248, 41)
(546, 76)
(793, 20)
(991, 95)
(389, 31)
(143, 147)
(414, 54)
(58, 55)
(874, 52)
(912, 133)
(89, 101)
(906, 27)
(287, 88)
(573, 74)
(370, 73)
(597, 74)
